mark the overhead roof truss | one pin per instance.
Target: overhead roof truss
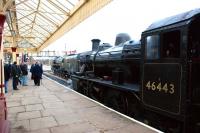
(37, 23)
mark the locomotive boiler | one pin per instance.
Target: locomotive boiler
(65, 66)
(155, 81)
(110, 74)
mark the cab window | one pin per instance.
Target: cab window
(171, 44)
(152, 47)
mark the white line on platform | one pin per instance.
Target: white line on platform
(108, 108)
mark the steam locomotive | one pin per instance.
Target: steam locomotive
(64, 66)
(155, 81)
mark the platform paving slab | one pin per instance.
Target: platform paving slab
(52, 108)
(83, 127)
(17, 109)
(57, 112)
(21, 125)
(129, 129)
(69, 119)
(41, 131)
(12, 117)
(43, 122)
(15, 99)
(13, 103)
(53, 105)
(28, 115)
(31, 100)
(34, 107)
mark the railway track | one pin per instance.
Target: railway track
(60, 80)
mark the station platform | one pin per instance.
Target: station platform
(53, 108)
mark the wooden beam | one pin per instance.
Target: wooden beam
(26, 15)
(49, 20)
(58, 7)
(18, 37)
(70, 2)
(21, 50)
(20, 2)
(85, 9)
(8, 4)
(33, 22)
(63, 5)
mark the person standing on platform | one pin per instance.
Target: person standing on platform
(7, 71)
(41, 65)
(37, 72)
(15, 75)
(24, 69)
(31, 70)
(20, 74)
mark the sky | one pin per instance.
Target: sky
(120, 16)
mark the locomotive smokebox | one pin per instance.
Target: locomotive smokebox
(95, 44)
(121, 38)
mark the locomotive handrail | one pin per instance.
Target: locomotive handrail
(110, 53)
(100, 54)
(132, 50)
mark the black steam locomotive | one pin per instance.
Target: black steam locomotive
(64, 66)
(155, 81)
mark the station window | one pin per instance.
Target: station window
(152, 47)
(171, 44)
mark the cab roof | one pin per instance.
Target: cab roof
(174, 19)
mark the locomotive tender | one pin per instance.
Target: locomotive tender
(155, 81)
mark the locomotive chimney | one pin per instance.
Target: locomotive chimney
(95, 44)
(121, 38)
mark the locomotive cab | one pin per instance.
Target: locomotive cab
(170, 69)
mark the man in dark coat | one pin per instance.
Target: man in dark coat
(7, 71)
(37, 72)
(15, 74)
(24, 69)
(31, 70)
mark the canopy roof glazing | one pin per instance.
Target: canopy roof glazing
(29, 23)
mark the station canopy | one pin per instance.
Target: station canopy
(31, 23)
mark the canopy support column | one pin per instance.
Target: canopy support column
(2, 21)
(14, 56)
